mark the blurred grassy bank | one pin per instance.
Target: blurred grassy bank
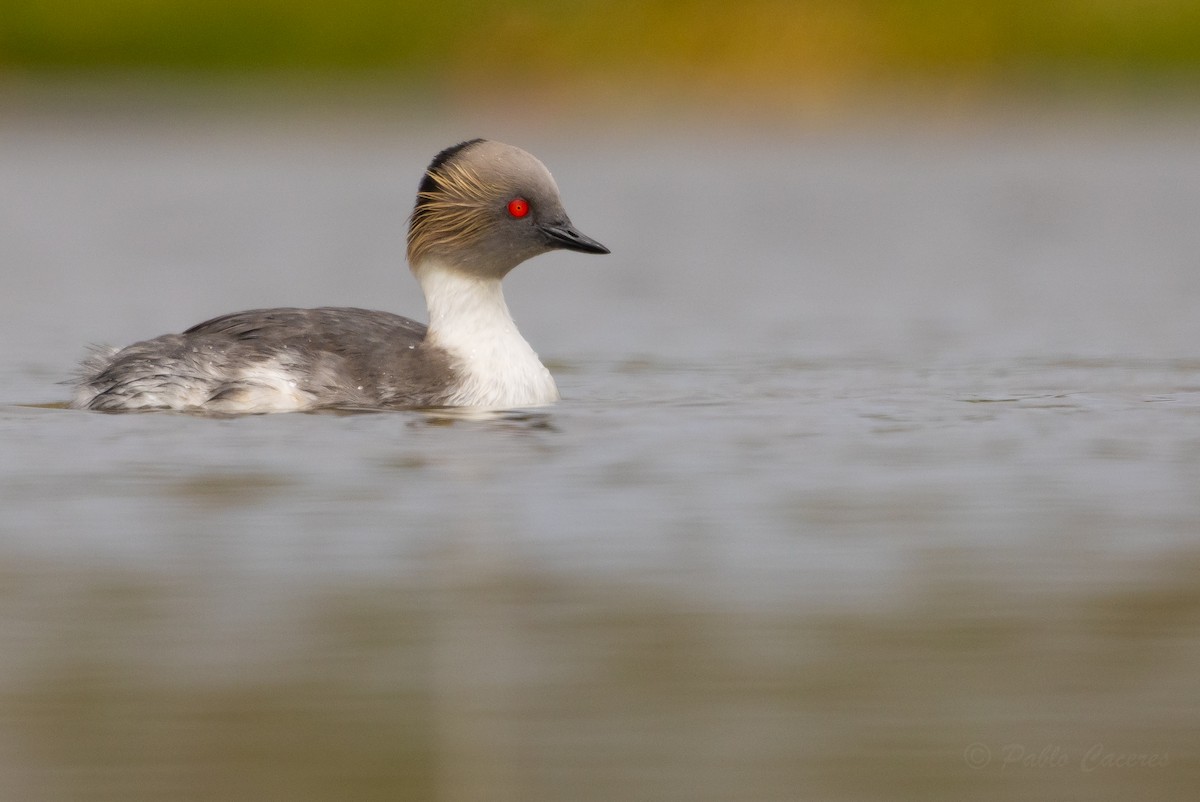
(535, 45)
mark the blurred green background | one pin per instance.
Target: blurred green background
(704, 48)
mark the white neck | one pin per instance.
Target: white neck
(469, 319)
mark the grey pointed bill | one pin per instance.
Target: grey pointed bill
(564, 235)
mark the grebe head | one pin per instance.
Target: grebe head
(484, 207)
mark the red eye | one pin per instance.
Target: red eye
(518, 207)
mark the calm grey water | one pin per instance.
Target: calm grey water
(878, 473)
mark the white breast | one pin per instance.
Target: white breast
(470, 320)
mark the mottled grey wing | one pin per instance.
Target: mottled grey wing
(341, 355)
(324, 327)
(332, 356)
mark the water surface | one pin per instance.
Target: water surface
(878, 473)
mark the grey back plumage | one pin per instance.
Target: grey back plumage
(339, 356)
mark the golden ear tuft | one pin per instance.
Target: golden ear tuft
(451, 211)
